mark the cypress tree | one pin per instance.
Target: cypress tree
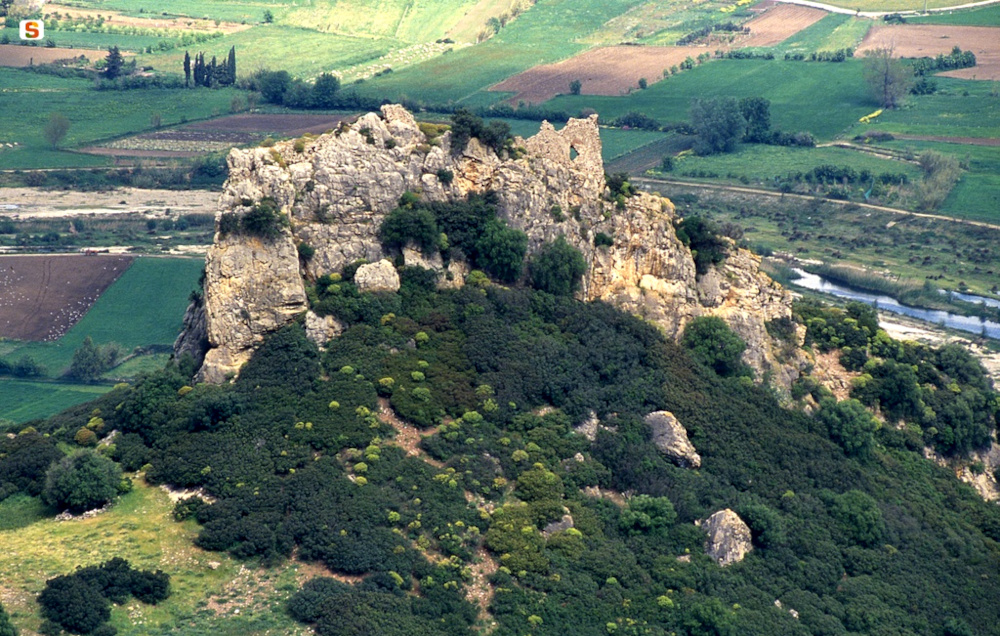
(231, 67)
(187, 69)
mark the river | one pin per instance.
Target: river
(970, 324)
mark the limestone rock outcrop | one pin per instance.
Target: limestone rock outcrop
(375, 277)
(671, 439)
(336, 188)
(729, 539)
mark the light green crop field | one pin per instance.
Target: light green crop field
(548, 32)
(301, 52)
(976, 196)
(406, 20)
(960, 108)
(30, 98)
(763, 163)
(24, 400)
(206, 587)
(145, 306)
(822, 98)
(981, 16)
(87, 40)
(231, 11)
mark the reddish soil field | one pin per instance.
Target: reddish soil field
(777, 24)
(612, 70)
(41, 297)
(928, 40)
(17, 55)
(285, 125)
(615, 70)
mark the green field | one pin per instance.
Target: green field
(88, 40)
(281, 48)
(960, 108)
(893, 5)
(977, 194)
(822, 98)
(143, 307)
(23, 400)
(29, 99)
(763, 164)
(139, 527)
(982, 16)
(549, 32)
(234, 11)
(615, 142)
(833, 32)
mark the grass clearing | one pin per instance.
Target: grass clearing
(981, 16)
(30, 98)
(143, 307)
(402, 19)
(280, 48)
(813, 37)
(229, 10)
(960, 108)
(89, 40)
(762, 164)
(549, 32)
(976, 196)
(24, 400)
(207, 588)
(824, 103)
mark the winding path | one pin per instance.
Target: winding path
(878, 14)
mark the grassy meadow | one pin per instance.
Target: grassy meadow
(763, 164)
(980, 16)
(144, 307)
(29, 99)
(24, 400)
(824, 99)
(211, 593)
(549, 32)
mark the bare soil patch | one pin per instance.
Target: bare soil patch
(407, 436)
(31, 203)
(41, 297)
(930, 40)
(18, 56)
(616, 70)
(611, 70)
(290, 125)
(778, 23)
(160, 22)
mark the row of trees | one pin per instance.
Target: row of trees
(210, 74)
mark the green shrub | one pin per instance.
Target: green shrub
(501, 250)
(714, 344)
(557, 268)
(82, 481)
(404, 225)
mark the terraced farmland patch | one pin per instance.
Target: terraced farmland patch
(779, 23)
(18, 56)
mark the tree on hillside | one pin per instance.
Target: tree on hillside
(889, 80)
(718, 125)
(56, 129)
(231, 67)
(187, 69)
(557, 268)
(115, 62)
(82, 481)
(713, 343)
(757, 113)
(324, 92)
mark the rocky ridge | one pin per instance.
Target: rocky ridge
(335, 190)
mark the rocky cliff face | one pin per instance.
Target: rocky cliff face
(336, 189)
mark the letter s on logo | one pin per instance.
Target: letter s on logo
(32, 29)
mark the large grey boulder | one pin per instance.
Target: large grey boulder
(672, 440)
(380, 276)
(729, 538)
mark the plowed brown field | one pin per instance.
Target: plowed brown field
(616, 70)
(16, 55)
(612, 70)
(928, 40)
(779, 23)
(41, 297)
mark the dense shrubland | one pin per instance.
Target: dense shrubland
(853, 529)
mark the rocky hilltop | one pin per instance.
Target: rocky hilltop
(336, 188)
